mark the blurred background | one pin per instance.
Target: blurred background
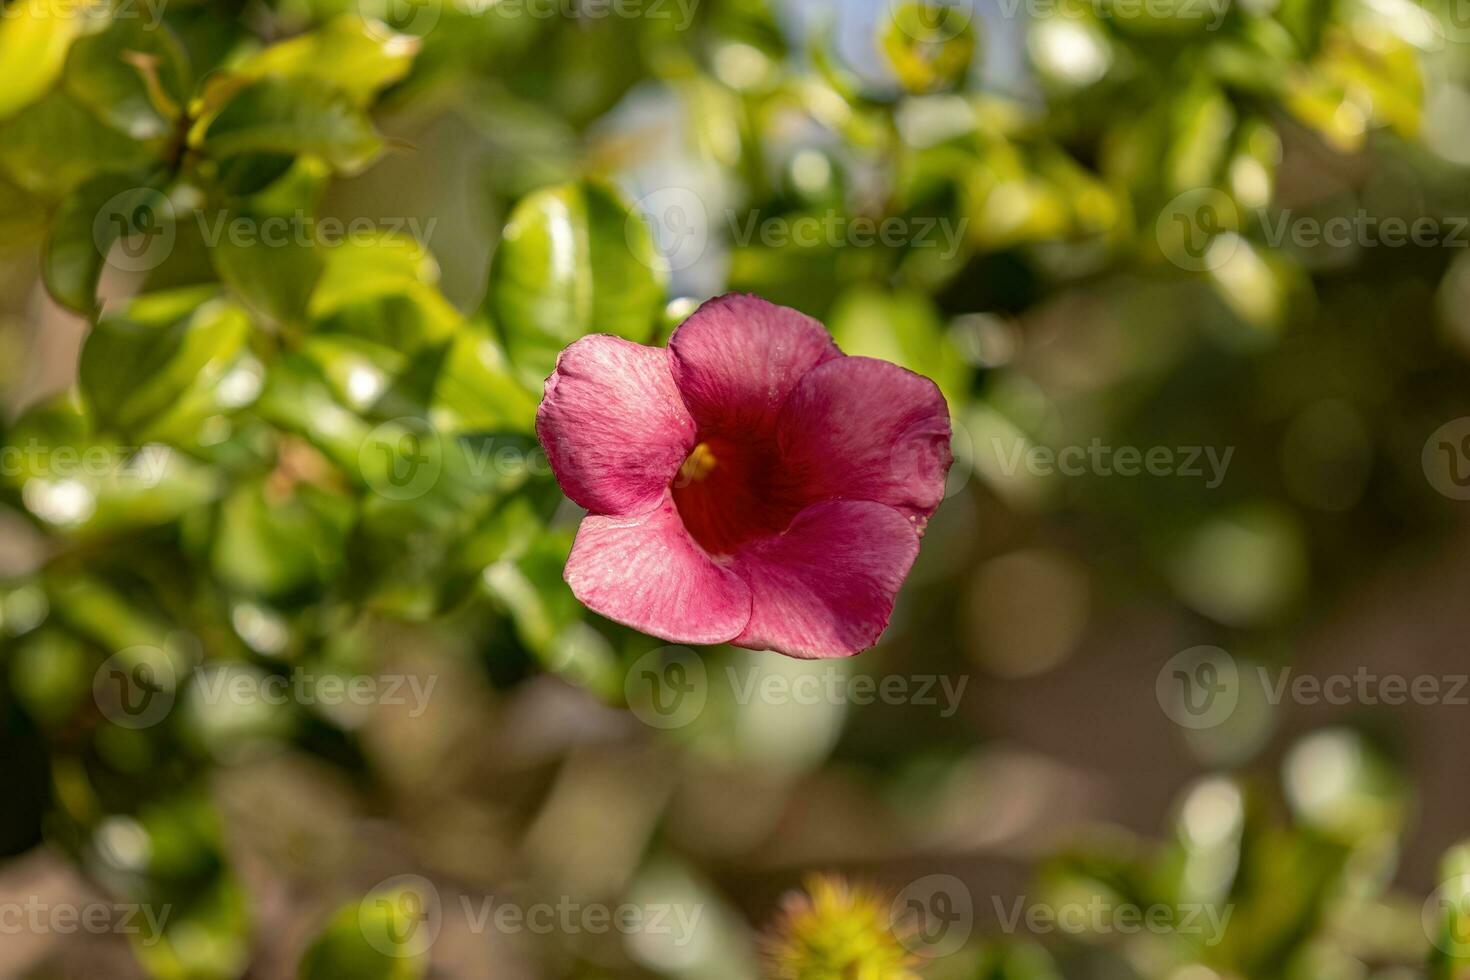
(290, 684)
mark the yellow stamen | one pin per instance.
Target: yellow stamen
(699, 464)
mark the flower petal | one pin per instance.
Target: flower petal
(825, 588)
(613, 424)
(737, 357)
(647, 573)
(864, 429)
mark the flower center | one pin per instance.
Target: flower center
(698, 465)
(729, 491)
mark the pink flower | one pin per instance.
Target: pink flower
(751, 484)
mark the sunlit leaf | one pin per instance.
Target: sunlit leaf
(34, 38)
(574, 260)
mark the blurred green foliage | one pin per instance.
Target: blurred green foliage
(284, 443)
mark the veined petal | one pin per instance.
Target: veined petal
(737, 357)
(825, 588)
(864, 429)
(647, 573)
(613, 424)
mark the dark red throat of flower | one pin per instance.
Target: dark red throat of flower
(729, 492)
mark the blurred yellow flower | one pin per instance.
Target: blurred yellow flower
(836, 931)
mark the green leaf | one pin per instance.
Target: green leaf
(133, 76)
(383, 290)
(292, 116)
(1202, 121)
(357, 369)
(530, 587)
(406, 320)
(137, 364)
(21, 215)
(51, 675)
(272, 262)
(91, 221)
(362, 269)
(277, 541)
(34, 38)
(573, 260)
(903, 327)
(929, 46)
(345, 53)
(298, 398)
(360, 942)
(54, 145)
(79, 483)
(477, 390)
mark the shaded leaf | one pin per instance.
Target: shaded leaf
(292, 116)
